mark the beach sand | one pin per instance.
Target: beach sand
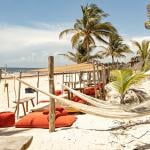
(87, 133)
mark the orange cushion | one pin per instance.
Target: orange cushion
(7, 119)
(65, 121)
(39, 120)
(33, 120)
(45, 111)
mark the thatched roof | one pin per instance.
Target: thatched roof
(71, 68)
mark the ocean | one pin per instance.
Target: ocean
(12, 70)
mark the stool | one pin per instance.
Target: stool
(7, 119)
(24, 101)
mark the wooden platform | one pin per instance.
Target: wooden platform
(15, 142)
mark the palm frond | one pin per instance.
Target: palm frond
(66, 32)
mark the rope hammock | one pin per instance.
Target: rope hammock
(99, 111)
(94, 101)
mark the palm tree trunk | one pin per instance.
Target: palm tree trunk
(113, 62)
(88, 53)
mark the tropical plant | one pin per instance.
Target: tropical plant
(81, 55)
(143, 51)
(116, 48)
(124, 80)
(89, 28)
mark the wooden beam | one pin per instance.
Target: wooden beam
(51, 90)
(94, 78)
(37, 93)
(19, 93)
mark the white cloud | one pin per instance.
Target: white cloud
(23, 46)
(30, 46)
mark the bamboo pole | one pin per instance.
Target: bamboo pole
(0, 74)
(19, 93)
(94, 78)
(7, 93)
(37, 93)
(75, 82)
(51, 90)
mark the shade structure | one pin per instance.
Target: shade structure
(71, 68)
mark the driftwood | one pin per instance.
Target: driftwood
(15, 142)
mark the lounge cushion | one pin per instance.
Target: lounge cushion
(58, 92)
(78, 99)
(65, 121)
(89, 91)
(39, 120)
(7, 119)
(57, 113)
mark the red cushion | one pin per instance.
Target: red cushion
(82, 101)
(57, 113)
(43, 101)
(99, 85)
(89, 91)
(78, 99)
(63, 113)
(7, 119)
(59, 108)
(39, 120)
(58, 92)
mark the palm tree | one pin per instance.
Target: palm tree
(81, 55)
(115, 48)
(89, 27)
(124, 80)
(143, 50)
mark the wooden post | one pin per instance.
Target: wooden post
(51, 90)
(75, 82)
(19, 93)
(0, 74)
(37, 93)
(104, 81)
(63, 78)
(94, 79)
(80, 78)
(63, 83)
(7, 92)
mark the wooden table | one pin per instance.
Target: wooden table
(23, 102)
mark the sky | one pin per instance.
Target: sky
(29, 29)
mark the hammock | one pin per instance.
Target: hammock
(99, 111)
(94, 101)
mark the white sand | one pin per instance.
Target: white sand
(87, 133)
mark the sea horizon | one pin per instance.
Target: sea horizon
(18, 69)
